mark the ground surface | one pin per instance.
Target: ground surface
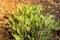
(53, 7)
(6, 6)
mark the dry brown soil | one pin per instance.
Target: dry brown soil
(6, 6)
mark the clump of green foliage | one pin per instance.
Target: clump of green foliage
(29, 24)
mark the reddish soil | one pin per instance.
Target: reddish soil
(6, 6)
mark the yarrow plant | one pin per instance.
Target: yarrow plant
(29, 24)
